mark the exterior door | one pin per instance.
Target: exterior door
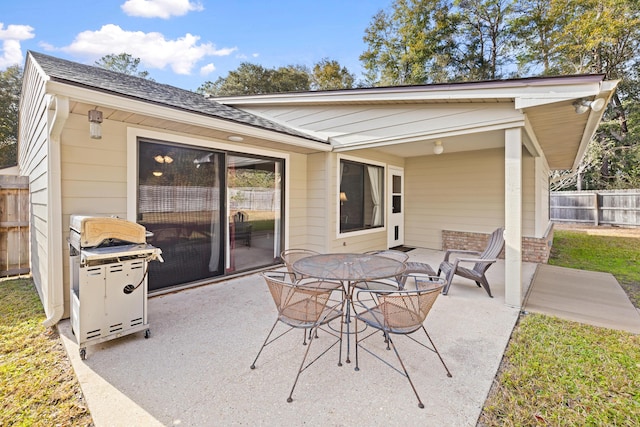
(395, 230)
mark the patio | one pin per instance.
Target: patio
(194, 370)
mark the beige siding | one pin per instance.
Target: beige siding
(297, 208)
(317, 202)
(528, 194)
(542, 197)
(461, 192)
(32, 162)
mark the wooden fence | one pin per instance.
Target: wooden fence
(611, 207)
(14, 225)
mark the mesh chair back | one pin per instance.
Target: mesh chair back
(299, 305)
(404, 312)
(289, 256)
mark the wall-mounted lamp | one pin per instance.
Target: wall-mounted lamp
(343, 197)
(235, 138)
(583, 105)
(95, 123)
(437, 147)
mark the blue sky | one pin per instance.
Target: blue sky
(187, 42)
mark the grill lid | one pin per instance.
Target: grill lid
(91, 231)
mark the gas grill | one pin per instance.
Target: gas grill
(108, 260)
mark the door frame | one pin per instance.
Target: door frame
(395, 219)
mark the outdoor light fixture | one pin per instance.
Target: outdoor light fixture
(437, 147)
(95, 123)
(583, 105)
(235, 138)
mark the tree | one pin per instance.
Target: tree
(412, 44)
(252, 79)
(10, 89)
(483, 38)
(328, 74)
(122, 63)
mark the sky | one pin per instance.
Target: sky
(185, 43)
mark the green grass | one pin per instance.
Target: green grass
(619, 256)
(37, 384)
(561, 373)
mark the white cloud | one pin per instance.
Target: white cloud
(207, 69)
(153, 49)
(11, 38)
(164, 9)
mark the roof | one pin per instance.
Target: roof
(100, 79)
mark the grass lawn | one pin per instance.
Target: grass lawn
(561, 373)
(37, 384)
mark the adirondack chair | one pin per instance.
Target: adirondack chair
(481, 262)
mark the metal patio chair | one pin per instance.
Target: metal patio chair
(481, 262)
(303, 306)
(289, 256)
(398, 313)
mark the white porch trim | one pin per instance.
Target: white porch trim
(513, 217)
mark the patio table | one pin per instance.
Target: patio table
(349, 269)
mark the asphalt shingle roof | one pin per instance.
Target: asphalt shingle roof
(100, 79)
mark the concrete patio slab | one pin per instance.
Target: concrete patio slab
(194, 370)
(582, 296)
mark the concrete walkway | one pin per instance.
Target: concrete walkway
(194, 370)
(582, 296)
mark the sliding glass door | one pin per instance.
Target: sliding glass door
(211, 212)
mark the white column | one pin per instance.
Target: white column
(513, 217)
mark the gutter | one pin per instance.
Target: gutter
(54, 303)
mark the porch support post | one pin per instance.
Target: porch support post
(513, 217)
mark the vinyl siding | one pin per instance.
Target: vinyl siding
(32, 162)
(460, 191)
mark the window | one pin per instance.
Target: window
(361, 196)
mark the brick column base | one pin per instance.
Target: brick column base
(535, 250)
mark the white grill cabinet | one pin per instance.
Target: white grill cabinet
(108, 260)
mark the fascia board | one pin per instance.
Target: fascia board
(567, 88)
(117, 102)
(594, 121)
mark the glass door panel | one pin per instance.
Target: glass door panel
(179, 194)
(254, 188)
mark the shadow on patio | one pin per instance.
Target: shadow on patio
(194, 370)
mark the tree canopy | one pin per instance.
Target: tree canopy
(254, 79)
(122, 63)
(434, 41)
(10, 88)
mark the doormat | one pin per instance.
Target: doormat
(402, 248)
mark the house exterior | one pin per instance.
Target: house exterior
(225, 184)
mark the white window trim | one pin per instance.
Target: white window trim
(363, 161)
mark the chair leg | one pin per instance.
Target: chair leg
(448, 280)
(420, 404)
(437, 352)
(485, 284)
(253, 365)
(306, 353)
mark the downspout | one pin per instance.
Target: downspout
(59, 105)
